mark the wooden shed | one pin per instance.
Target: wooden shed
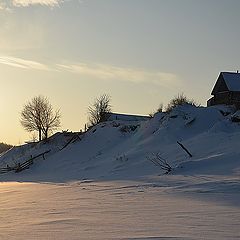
(226, 90)
(127, 117)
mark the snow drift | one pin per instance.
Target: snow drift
(120, 149)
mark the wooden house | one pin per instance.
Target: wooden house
(226, 90)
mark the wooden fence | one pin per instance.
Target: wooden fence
(22, 166)
(25, 165)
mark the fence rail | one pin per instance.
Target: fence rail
(24, 165)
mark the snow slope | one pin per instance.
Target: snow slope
(120, 149)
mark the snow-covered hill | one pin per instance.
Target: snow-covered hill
(107, 183)
(123, 149)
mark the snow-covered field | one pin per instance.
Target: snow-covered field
(102, 185)
(113, 210)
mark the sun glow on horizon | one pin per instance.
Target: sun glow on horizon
(72, 51)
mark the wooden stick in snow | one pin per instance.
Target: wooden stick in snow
(181, 145)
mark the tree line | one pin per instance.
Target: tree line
(38, 115)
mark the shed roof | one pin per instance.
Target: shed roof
(127, 117)
(227, 81)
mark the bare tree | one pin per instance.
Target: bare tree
(38, 115)
(99, 110)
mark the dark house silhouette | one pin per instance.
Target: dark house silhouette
(226, 90)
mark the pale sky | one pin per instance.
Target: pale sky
(141, 52)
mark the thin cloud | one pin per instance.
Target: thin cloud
(26, 3)
(22, 63)
(99, 71)
(9, 5)
(109, 72)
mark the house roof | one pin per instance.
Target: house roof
(232, 80)
(227, 81)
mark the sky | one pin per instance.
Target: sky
(141, 52)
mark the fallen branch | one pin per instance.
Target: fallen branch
(159, 161)
(73, 139)
(185, 149)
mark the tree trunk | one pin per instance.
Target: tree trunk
(45, 133)
(39, 135)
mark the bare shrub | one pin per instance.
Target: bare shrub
(99, 110)
(122, 158)
(180, 99)
(4, 147)
(159, 161)
(158, 110)
(128, 128)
